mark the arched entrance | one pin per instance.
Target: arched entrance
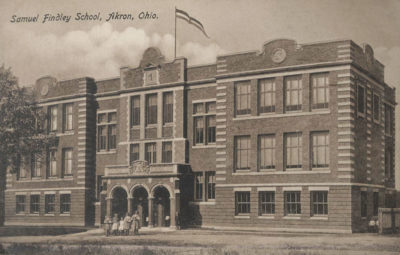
(140, 204)
(161, 207)
(119, 202)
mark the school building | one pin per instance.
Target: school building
(296, 137)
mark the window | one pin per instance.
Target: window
(266, 95)
(22, 173)
(210, 185)
(376, 203)
(242, 98)
(266, 150)
(67, 117)
(242, 202)
(52, 167)
(65, 203)
(210, 107)
(151, 109)
(204, 123)
(50, 202)
(20, 204)
(53, 118)
(112, 137)
(293, 150)
(292, 203)
(361, 99)
(293, 93)
(39, 121)
(242, 152)
(320, 149)
(211, 129)
(168, 107)
(376, 107)
(389, 162)
(266, 202)
(167, 152)
(135, 111)
(102, 138)
(364, 202)
(198, 130)
(134, 156)
(198, 182)
(320, 91)
(36, 165)
(35, 204)
(67, 162)
(112, 117)
(151, 153)
(204, 186)
(388, 119)
(198, 108)
(319, 203)
(107, 131)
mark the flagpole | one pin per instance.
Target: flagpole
(175, 35)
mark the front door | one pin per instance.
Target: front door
(161, 207)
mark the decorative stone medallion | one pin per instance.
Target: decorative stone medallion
(278, 55)
(140, 167)
(44, 90)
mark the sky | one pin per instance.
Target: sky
(98, 48)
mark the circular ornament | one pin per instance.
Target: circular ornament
(278, 55)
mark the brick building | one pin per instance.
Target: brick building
(293, 137)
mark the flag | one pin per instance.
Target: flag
(185, 16)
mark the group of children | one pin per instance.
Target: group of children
(122, 227)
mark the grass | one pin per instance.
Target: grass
(142, 250)
(35, 231)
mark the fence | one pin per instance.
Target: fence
(389, 220)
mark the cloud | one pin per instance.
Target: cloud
(98, 52)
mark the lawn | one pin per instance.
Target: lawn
(200, 241)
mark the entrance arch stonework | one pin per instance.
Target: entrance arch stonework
(137, 189)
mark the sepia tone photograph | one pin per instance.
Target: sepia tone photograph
(199, 127)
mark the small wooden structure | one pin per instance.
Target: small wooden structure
(389, 220)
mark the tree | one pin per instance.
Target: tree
(21, 123)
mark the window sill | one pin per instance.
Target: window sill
(20, 214)
(242, 116)
(112, 151)
(267, 217)
(267, 170)
(203, 203)
(33, 214)
(67, 177)
(320, 109)
(319, 218)
(168, 124)
(152, 125)
(242, 216)
(292, 217)
(204, 146)
(282, 115)
(274, 172)
(52, 177)
(266, 113)
(65, 214)
(66, 133)
(49, 214)
(293, 169)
